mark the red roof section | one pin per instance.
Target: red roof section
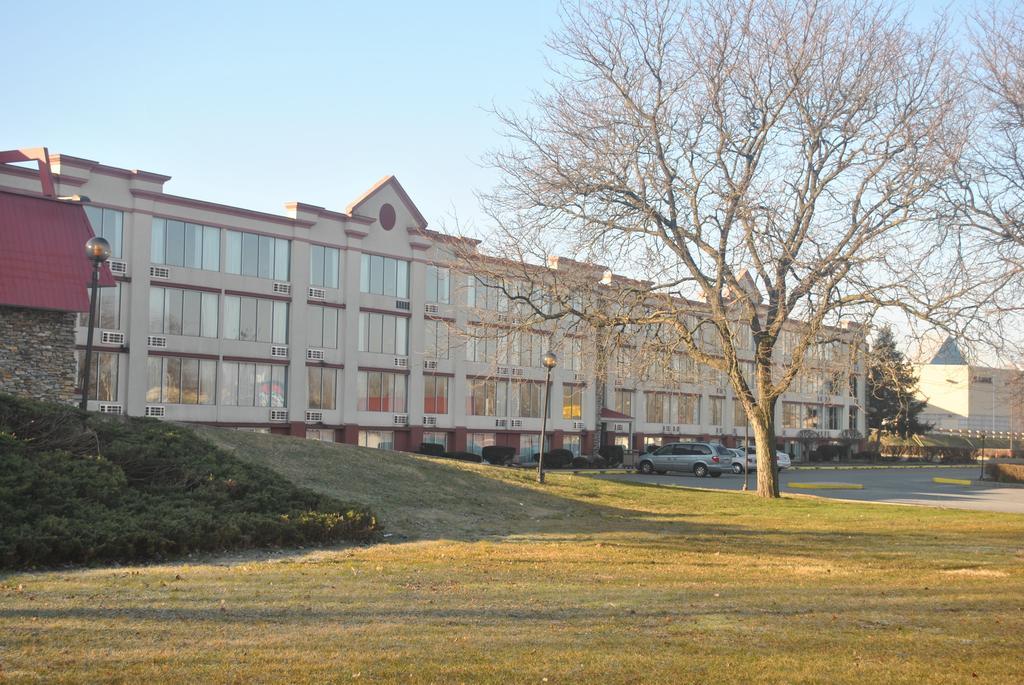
(44, 263)
(615, 415)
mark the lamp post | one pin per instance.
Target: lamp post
(550, 361)
(98, 251)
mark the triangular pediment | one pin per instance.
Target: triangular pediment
(366, 204)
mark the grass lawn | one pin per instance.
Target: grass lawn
(488, 577)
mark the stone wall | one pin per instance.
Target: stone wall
(37, 353)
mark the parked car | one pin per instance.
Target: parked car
(699, 458)
(781, 458)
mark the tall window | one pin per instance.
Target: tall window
(177, 243)
(181, 380)
(322, 387)
(852, 423)
(322, 323)
(438, 284)
(254, 385)
(853, 387)
(529, 446)
(486, 397)
(255, 319)
(435, 394)
(572, 402)
(102, 375)
(383, 333)
(715, 407)
(739, 414)
(436, 343)
(481, 345)
(791, 415)
(527, 399)
(657, 409)
(572, 443)
(573, 352)
(527, 349)
(622, 401)
(687, 409)
(382, 391)
(108, 224)
(484, 293)
(811, 418)
(380, 440)
(174, 311)
(262, 256)
(323, 266)
(108, 308)
(384, 276)
(436, 438)
(832, 415)
(476, 442)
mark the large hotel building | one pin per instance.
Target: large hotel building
(342, 326)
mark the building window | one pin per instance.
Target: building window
(852, 425)
(622, 401)
(438, 280)
(323, 266)
(321, 435)
(485, 397)
(382, 391)
(436, 438)
(573, 351)
(255, 319)
(484, 293)
(383, 333)
(436, 342)
(527, 349)
(435, 394)
(384, 276)
(716, 406)
(176, 243)
(572, 443)
(481, 345)
(262, 256)
(108, 224)
(572, 402)
(173, 311)
(853, 387)
(322, 325)
(811, 417)
(529, 446)
(322, 387)
(379, 440)
(102, 375)
(739, 414)
(527, 399)
(182, 380)
(254, 385)
(791, 415)
(476, 442)
(687, 409)
(108, 309)
(658, 407)
(832, 413)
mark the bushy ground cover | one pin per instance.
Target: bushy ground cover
(80, 488)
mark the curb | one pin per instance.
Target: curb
(825, 486)
(867, 467)
(952, 481)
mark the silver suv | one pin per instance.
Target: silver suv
(699, 458)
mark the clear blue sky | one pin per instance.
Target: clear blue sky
(258, 103)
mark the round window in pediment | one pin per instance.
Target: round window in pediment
(387, 217)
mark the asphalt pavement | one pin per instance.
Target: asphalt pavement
(894, 485)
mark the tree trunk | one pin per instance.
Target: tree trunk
(767, 465)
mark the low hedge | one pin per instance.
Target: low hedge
(557, 459)
(613, 455)
(83, 488)
(498, 455)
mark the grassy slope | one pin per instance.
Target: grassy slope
(499, 580)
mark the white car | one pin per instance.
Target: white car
(781, 458)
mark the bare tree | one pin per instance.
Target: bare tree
(748, 165)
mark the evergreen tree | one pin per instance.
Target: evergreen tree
(892, 407)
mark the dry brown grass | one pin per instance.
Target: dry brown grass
(490, 578)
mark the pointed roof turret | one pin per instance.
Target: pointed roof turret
(949, 354)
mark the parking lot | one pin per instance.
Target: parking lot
(893, 485)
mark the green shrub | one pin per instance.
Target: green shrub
(614, 455)
(557, 459)
(157, 491)
(498, 454)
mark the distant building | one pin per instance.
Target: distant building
(44, 277)
(963, 396)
